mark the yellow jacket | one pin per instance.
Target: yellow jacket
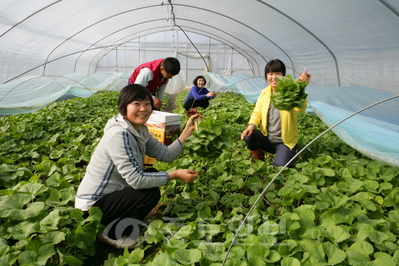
(289, 125)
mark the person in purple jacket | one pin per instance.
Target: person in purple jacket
(199, 96)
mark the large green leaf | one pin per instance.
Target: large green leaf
(24, 229)
(289, 261)
(38, 257)
(213, 251)
(187, 256)
(359, 254)
(17, 207)
(327, 254)
(33, 189)
(289, 93)
(336, 234)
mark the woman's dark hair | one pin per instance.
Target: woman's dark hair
(275, 65)
(197, 78)
(171, 65)
(133, 92)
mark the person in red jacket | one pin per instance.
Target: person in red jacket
(155, 75)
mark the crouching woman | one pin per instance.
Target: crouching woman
(115, 180)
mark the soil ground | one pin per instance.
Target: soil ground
(171, 103)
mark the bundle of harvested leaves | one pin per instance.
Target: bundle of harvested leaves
(197, 120)
(289, 93)
(211, 140)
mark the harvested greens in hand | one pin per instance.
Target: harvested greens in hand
(192, 111)
(289, 93)
(211, 140)
(197, 120)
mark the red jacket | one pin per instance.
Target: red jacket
(157, 81)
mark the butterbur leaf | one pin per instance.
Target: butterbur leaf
(184, 231)
(273, 256)
(235, 262)
(164, 259)
(258, 250)
(286, 247)
(8, 259)
(187, 256)
(17, 207)
(359, 254)
(362, 247)
(308, 244)
(69, 260)
(396, 257)
(290, 262)
(40, 258)
(336, 234)
(256, 261)
(269, 228)
(394, 216)
(212, 139)
(52, 238)
(24, 230)
(327, 253)
(212, 251)
(134, 256)
(45, 252)
(50, 222)
(289, 93)
(33, 189)
(27, 258)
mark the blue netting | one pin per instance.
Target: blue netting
(31, 93)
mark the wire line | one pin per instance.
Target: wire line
(285, 166)
(174, 23)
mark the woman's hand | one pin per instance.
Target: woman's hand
(190, 122)
(184, 175)
(190, 127)
(247, 132)
(157, 103)
(305, 76)
(211, 94)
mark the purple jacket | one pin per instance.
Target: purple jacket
(198, 94)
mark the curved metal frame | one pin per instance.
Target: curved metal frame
(47, 59)
(26, 18)
(308, 31)
(218, 38)
(183, 20)
(187, 6)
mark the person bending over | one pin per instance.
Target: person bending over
(155, 75)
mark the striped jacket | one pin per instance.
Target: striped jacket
(117, 162)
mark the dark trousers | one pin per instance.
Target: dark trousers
(259, 141)
(192, 103)
(124, 210)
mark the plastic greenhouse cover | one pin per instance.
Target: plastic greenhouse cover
(31, 93)
(373, 132)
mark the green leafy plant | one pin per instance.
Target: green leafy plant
(211, 139)
(334, 207)
(289, 93)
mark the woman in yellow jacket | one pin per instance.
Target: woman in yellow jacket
(279, 128)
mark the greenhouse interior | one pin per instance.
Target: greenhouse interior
(57, 52)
